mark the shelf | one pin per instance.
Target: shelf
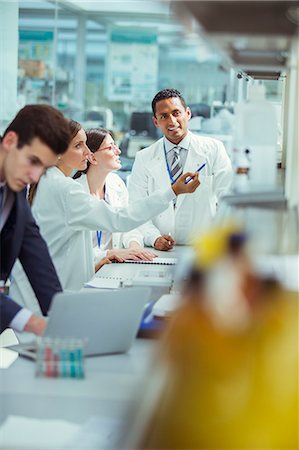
(267, 200)
(254, 35)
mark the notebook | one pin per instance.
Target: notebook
(118, 275)
(162, 261)
(108, 320)
(114, 276)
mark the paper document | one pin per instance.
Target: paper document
(166, 305)
(104, 283)
(97, 433)
(153, 277)
(18, 432)
(162, 261)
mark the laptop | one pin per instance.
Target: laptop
(108, 320)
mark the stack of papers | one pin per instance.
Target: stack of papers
(19, 432)
(24, 433)
(166, 305)
(104, 283)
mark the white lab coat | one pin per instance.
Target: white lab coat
(66, 216)
(116, 195)
(192, 213)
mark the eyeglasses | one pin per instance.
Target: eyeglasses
(112, 147)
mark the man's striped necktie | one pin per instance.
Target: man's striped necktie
(176, 169)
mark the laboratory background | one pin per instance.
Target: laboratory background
(236, 63)
(101, 63)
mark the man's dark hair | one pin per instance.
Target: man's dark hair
(164, 94)
(43, 122)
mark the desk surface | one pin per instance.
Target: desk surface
(109, 389)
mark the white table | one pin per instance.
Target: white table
(109, 389)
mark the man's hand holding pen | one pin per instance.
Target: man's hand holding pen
(183, 187)
(164, 242)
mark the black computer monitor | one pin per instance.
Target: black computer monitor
(142, 124)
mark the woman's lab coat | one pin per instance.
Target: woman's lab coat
(116, 195)
(66, 215)
(192, 213)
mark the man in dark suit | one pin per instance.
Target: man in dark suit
(30, 144)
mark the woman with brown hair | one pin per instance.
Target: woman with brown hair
(100, 181)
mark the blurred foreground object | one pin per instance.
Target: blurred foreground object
(226, 374)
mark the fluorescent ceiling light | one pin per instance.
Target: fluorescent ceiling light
(45, 23)
(37, 5)
(166, 27)
(125, 6)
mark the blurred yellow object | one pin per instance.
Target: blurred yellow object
(226, 375)
(224, 389)
(212, 245)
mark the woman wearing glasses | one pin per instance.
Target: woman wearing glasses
(100, 181)
(66, 216)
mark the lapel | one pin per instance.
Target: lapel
(12, 235)
(194, 160)
(157, 167)
(115, 198)
(114, 192)
(111, 195)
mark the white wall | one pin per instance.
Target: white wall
(9, 10)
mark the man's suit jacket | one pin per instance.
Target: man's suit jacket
(20, 238)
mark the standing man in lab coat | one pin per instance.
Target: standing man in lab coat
(161, 163)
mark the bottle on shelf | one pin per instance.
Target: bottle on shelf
(242, 171)
(256, 130)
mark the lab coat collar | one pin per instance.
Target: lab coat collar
(113, 189)
(113, 182)
(185, 143)
(55, 171)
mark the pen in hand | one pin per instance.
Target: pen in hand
(198, 170)
(164, 242)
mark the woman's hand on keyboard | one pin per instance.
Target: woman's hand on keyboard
(101, 263)
(134, 254)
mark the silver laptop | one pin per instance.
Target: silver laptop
(108, 320)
